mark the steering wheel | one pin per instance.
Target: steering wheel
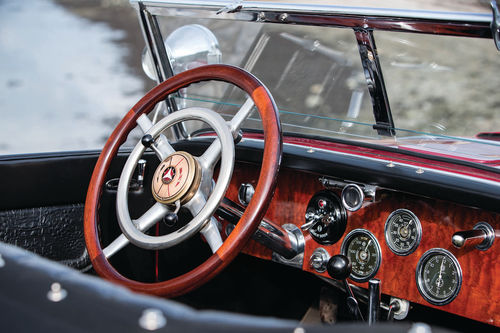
(183, 179)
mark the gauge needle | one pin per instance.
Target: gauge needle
(440, 272)
(369, 242)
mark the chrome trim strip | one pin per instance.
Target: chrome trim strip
(396, 164)
(261, 6)
(392, 164)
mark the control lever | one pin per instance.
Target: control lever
(339, 267)
(481, 237)
(171, 218)
(373, 300)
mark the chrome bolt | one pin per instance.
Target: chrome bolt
(152, 319)
(391, 165)
(56, 293)
(420, 171)
(261, 16)
(283, 17)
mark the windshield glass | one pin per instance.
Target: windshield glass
(441, 89)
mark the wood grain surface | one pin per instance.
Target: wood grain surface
(478, 298)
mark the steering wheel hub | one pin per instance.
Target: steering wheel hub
(176, 178)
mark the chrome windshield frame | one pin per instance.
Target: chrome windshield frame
(363, 22)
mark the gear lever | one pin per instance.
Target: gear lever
(339, 268)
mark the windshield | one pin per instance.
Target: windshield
(441, 89)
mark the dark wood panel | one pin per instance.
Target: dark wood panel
(478, 298)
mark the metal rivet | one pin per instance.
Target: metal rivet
(310, 150)
(420, 171)
(420, 328)
(283, 17)
(370, 56)
(152, 319)
(261, 16)
(2, 262)
(299, 330)
(391, 165)
(56, 292)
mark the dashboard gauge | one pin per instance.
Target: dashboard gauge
(363, 251)
(439, 276)
(403, 232)
(352, 197)
(326, 218)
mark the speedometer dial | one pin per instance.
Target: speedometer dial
(439, 276)
(403, 232)
(363, 251)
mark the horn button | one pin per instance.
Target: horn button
(176, 178)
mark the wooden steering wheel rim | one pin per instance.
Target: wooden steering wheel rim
(254, 212)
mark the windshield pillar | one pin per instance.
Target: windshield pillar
(159, 58)
(375, 82)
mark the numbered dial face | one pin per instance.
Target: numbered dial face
(439, 276)
(325, 217)
(403, 232)
(363, 251)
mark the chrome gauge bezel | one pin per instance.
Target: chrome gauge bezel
(360, 194)
(420, 282)
(343, 249)
(387, 231)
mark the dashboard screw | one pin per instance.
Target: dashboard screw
(152, 319)
(56, 293)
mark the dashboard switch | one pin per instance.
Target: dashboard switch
(245, 193)
(319, 260)
(481, 236)
(325, 218)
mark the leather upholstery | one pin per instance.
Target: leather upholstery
(52, 232)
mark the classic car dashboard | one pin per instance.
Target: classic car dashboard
(404, 240)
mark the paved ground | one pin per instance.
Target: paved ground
(112, 25)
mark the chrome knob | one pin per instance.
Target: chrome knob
(245, 193)
(319, 260)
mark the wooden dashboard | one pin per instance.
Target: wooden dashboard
(478, 297)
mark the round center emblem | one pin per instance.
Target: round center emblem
(168, 175)
(176, 178)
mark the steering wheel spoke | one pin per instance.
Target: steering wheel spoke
(151, 216)
(212, 234)
(243, 113)
(211, 156)
(160, 146)
(146, 221)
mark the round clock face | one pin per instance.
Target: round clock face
(174, 178)
(439, 276)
